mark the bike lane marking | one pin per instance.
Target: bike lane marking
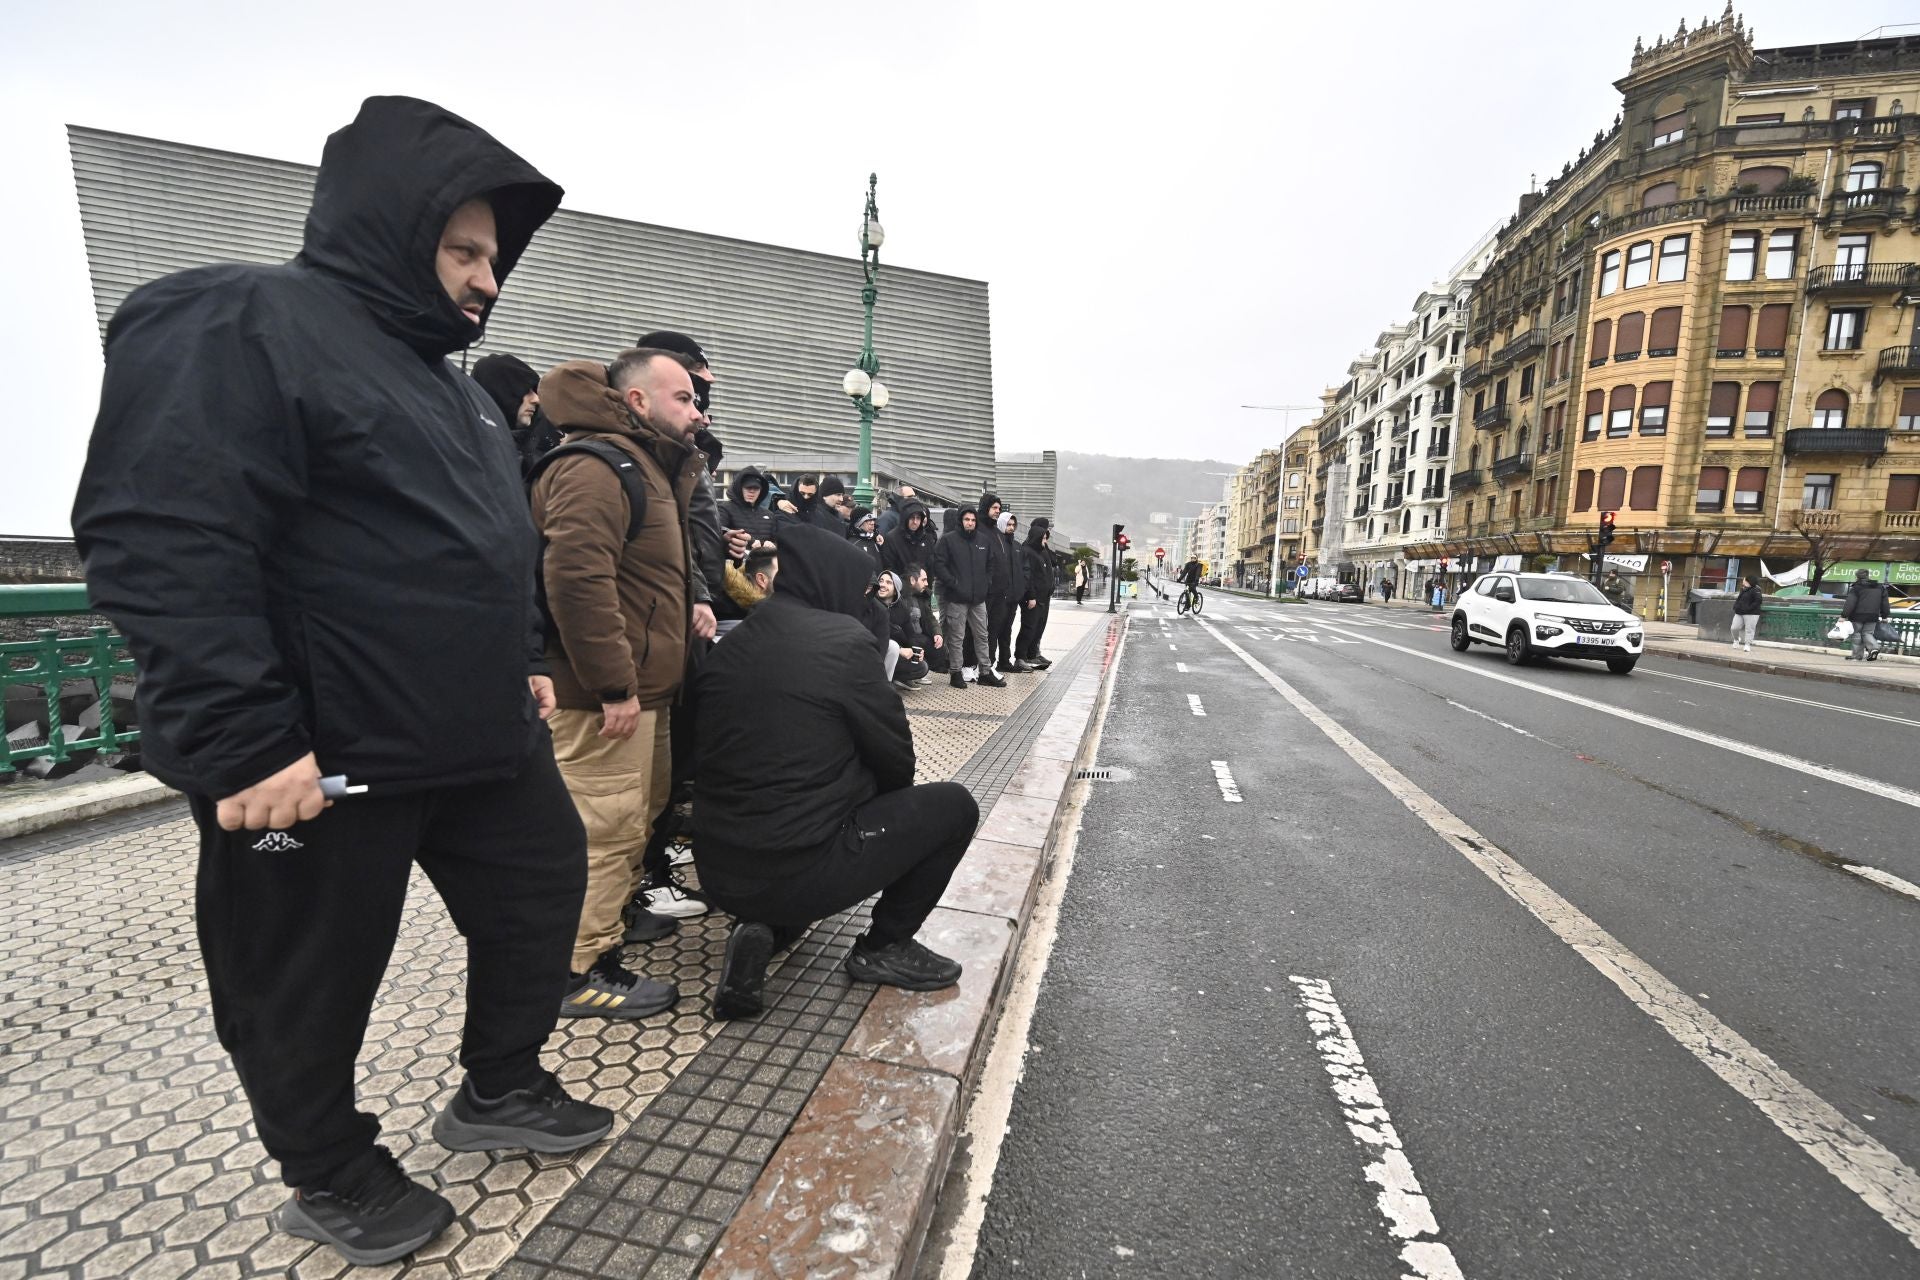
(1193, 704)
(1229, 789)
(1403, 1206)
(1872, 1171)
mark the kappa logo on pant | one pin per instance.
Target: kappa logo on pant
(277, 842)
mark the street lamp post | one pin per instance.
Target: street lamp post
(862, 383)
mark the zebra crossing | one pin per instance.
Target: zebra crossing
(1299, 624)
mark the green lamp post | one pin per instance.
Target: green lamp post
(861, 382)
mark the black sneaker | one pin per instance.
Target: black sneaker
(644, 926)
(1039, 664)
(785, 935)
(610, 990)
(906, 965)
(957, 680)
(542, 1118)
(370, 1211)
(743, 972)
(990, 680)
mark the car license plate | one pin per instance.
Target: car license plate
(1599, 642)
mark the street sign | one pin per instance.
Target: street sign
(1300, 572)
(1159, 553)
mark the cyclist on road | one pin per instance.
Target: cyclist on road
(1189, 577)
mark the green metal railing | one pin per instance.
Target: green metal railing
(50, 661)
(1808, 624)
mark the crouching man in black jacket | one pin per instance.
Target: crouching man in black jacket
(311, 529)
(807, 803)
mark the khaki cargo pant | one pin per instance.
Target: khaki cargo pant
(619, 789)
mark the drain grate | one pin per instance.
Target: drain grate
(1109, 774)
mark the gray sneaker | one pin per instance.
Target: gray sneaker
(907, 965)
(542, 1118)
(611, 990)
(370, 1211)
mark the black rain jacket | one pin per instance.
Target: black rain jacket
(1865, 602)
(1039, 561)
(795, 724)
(1001, 576)
(308, 524)
(909, 547)
(963, 566)
(737, 513)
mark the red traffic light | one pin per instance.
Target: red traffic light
(1606, 519)
(1443, 562)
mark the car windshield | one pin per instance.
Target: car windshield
(1562, 590)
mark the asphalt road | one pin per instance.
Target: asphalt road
(1269, 1028)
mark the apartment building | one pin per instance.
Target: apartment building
(1732, 361)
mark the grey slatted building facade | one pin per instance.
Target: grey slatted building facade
(1029, 484)
(780, 325)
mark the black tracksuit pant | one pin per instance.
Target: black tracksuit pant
(296, 929)
(903, 845)
(1000, 611)
(1033, 625)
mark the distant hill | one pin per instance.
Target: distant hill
(1097, 491)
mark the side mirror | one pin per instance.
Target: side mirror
(1503, 594)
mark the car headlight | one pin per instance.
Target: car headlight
(1545, 630)
(1634, 637)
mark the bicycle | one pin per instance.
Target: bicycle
(1191, 602)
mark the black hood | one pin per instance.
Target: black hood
(821, 571)
(987, 500)
(739, 482)
(387, 184)
(914, 507)
(507, 380)
(1039, 529)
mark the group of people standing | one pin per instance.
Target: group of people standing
(385, 614)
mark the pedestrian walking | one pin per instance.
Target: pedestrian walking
(1082, 578)
(1746, 614)
(1618, 590)
(1437, 591)
(310, 527)
(1866, 605)
(1386, 591)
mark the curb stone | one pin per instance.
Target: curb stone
(852, 1188)
(38, 810)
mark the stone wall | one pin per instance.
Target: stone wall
(24, 560)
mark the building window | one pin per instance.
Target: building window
(1626, 339)
(1816, 491)
(1852, 108)
(1909, 419)
(1646, 489)
(1903, 493)
(1734, 323)
(1762, 398)
(1673, 258)
(1749, 490)
(1663, 332)
(1863, 176)
(1654, 398)
(1526, 383)
(1513, 504)
(1613, 488)
(1764, 178)
(1639, 264)
(1845, 325)
(1850, 257)
(1669, 129)
(1658, 194)
(1602, 345)
(1743, 252)
(1596, 412)
(1783, 249)
(1770, 337)
(1620, 413)
(1830, 410)
(1583, 490)
(1610, 272)
(1723, 405)
(1712, 494)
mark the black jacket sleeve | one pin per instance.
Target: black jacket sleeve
(196, 458)
(876, 719)
(940, 565)
(709, 546)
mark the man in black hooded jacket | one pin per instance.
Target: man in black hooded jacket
(310, 526)
(807, 803)
(962, 563)
(1038, 559)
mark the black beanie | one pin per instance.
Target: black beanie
(830, 486)
(678, 343)
(506, 380)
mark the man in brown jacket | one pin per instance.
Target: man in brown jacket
(622, 609)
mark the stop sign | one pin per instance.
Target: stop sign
(1159, 553)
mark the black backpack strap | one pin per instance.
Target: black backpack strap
(625, 468)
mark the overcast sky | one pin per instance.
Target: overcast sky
(1180, 209)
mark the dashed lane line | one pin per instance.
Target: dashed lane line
(1181, 667)
(1827, 773)
(1884, 1182)
(1403, 1206)
(1229, 789)
(1886, 880)
(1787, 697)
(1193, 704)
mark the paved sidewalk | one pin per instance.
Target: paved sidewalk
(126, 1146)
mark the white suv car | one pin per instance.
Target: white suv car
(1546, 614)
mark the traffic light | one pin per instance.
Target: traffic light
(1122, 541)
(1606, 528)
(1443, 564)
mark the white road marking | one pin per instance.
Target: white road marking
(992, 1105)
(1181, 667)
(1880, 1178)
(1193, 704)
(1403, 1205)
(1887, 881)
(1787, 697)
(1174, 647)
(1229, 789)
(1827, 773)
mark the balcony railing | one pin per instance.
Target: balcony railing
(1525, 345)
(1361, 508)
(1900, 522)
(1867, 441)
(1813, 518)
(1864, 277)
(1492, 416)
(1898, 362)
(1514, 464)
(1442, 408)
(1319, 525)
(1791, 131)
(1472, 375)
(1394, 501)
(1864, 206)
(1433, 491)
(1439, 448)
(1773, 203)
(1659, 215)
(1464, 480)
